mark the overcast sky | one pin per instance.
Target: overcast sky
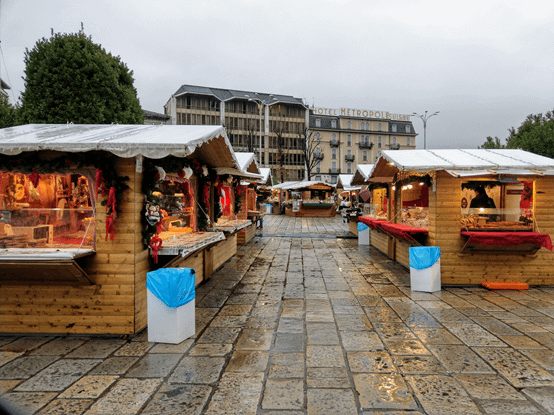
(485, 65)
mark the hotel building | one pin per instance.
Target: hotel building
(347, 137)
(344, 137)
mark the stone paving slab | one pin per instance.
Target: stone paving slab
(306, 326)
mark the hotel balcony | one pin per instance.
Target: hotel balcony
(334, 143)
(366, 144)
(349, 157)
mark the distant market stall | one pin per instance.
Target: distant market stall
(240, 213)
(88, 210)
(489, 211)
(346, 192)
(308, 198)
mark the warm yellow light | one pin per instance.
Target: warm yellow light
(481, 209)
(393, 187)
(421, 183)
(410, 186)
(404, 187)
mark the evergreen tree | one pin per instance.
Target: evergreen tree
(7, 113)
(492, 143)
(68, 78)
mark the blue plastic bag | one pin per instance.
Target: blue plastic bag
(422, 257)
(362, 226)
(173, 286)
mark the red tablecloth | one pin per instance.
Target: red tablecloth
(402, 231)
(508, 238)
(371, 222)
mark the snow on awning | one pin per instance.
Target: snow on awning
(507, 172)
(207, 142)
(422, 161)
(362, 173)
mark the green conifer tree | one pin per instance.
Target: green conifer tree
(68, 78)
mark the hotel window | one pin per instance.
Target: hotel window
(408, 129)
(333, 123)
(348, 168)
(394, 128)
(318, 122)
(334, 140)
(379, 127)
(318, 137)
(348, 140)
(317, 178)
(334, 153)
(379, 142)
(364, 155)
(349, 125)
(334, 179)
(349, 153)
(408, 141)
(394, 141)
(334, 167)
(318, 152)
(318, 167)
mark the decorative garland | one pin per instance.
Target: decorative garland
(237, 190)
(427, 180)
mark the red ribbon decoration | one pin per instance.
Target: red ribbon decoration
(99, 182)
(109, 228)
(34, 177)
(155, 243)
(111, 201)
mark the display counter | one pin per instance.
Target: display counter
(506, 241)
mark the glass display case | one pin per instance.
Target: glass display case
(497, 206)
(46, 211)
(177, 203)
(415, 216)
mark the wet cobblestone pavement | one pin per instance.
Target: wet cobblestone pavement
(306, 325)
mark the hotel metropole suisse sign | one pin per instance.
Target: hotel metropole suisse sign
(349, 112)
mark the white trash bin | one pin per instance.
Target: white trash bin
(168, 324)
(425, 268)
(268, 209)
(363, 234)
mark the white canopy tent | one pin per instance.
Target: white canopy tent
(152, 141)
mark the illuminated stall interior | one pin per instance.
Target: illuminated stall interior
(46, 211)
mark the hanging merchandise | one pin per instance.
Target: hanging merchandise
(155, 243)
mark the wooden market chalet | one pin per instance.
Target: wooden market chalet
(87, 210)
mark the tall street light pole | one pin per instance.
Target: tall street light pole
(261, 104)
(425, 117)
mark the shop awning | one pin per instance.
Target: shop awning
(247, 168)
(207, 142)
(43, 265)
(423, 161)
(362, 173)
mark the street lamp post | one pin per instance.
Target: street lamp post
(424, 118)
(261, 103)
